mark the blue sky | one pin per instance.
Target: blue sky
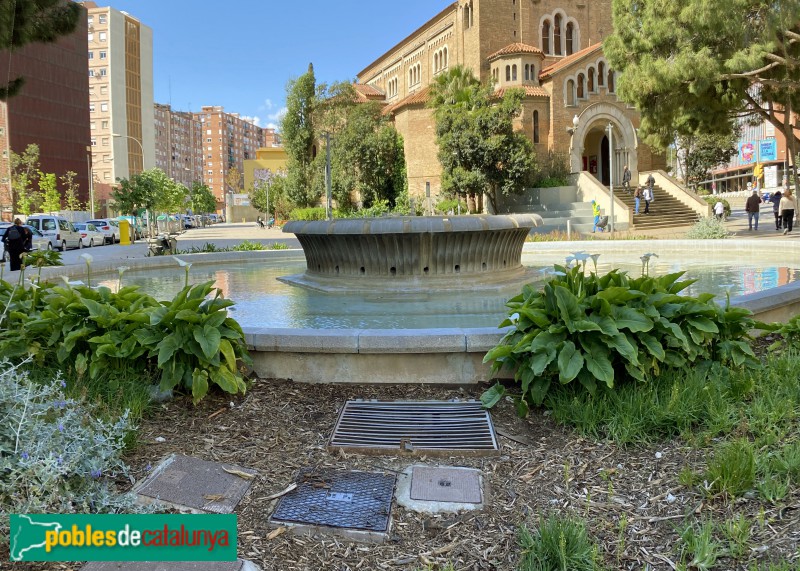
(254, 47)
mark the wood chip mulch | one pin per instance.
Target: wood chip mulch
(631, 497)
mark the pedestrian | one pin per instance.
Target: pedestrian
(648, 198)
(596, 213)
(719, 210)
(787, 210)
(626, 179)
(637, 196)
(651, 182)
(752, 207)
(15, 240)
(260, 222)
(775, 199)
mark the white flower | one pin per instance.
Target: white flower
(122, 269)
(594, 257)
(581, 256)
(88, 257)
(181, 263)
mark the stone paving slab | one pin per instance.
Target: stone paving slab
(196, 485)
(238, 565)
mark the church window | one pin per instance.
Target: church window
(436, 62)
(445, 56)
(508, 73)
(557, 35)
(611, 81)
(581, 83)
(546, 36)
(535, 126)
(570, 38)
(467, 15)
(514, 72)
(591, 80)
(601, 71)
(571, 93)
(527, 72)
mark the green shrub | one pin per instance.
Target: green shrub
(279, 246)
(732, 470)
(558, 544)
(712, 200)
(56, 454)
(247, 246)
(708, 228)
(314, 213)
(190, 340)
(612, 328)
(791, 335)
(451, 205)
(43, 258)
(379, 208)
(697, 546)
(553, 170)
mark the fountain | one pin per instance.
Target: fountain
(408, 253)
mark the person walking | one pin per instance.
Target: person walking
(637, 196)
(719, 210)
(651, 182)
(787, 210)
(752, 207)
(596, 214)
(775, 199)
(648, 198)
(15, 239)
(626, 179)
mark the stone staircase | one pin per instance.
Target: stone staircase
(555, 217)
(665, 210)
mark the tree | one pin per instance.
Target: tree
(71, 201)
(152, 191)
(30, 21)
(696, 67)
(259, 191)
(48, 187)
(701, 153)
(299, 138)
(367, 158)
(24, 173)
(203, 200)
(479, 150)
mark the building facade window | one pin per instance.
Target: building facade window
(535, 126)
(570, 39)
(581, 86)
(557, 35)
(103, 36)
(103, 55)
(546, 36)
(514, 72)
(104, 107)
(508, 73)
(571, 93)
(601, 71)
(611, 81)
(591, 80)
(103, 19)
(527, 73)
(91, 55)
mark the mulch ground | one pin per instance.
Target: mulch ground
(281, 426)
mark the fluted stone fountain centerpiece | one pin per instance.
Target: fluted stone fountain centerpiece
(411, 252)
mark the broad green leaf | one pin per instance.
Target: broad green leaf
(598, 364)
(227, 351)
(199, 385)
(583, 325)
(618, 295)
(539, 388)
(623, 346)
(545, 340)
(628, 318)
(653, 346)
(703, 324)
(569, 306)
(635, 372)
(209, 339)
(587, 380)
(570, 362)
(167, 348)
(522, 407)
(540, 360)
(188, 315)
(493, 395)
(498, 352)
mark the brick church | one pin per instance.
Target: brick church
(550, 48)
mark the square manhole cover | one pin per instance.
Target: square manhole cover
(460, 485)
(197, 484)
(340, 499)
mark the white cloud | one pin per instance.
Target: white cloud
(267, 106)
(271, 126)
(275, 117)
(256, 120)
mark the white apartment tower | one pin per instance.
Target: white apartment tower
(120, 95)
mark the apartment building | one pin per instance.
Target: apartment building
(271, 138)
(52, 111)
(121, 102)
(178, 140)
(227, 141)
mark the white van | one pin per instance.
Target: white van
(61, 231)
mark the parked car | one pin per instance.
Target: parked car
(38, 241)
(90, 235)
(109, 228)
(60, 232)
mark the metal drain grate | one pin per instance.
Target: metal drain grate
(351, 500)
(415, 427)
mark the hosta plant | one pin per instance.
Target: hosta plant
(605, 329)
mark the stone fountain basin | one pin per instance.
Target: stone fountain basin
(436, 355)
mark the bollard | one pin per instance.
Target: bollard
(569, 229)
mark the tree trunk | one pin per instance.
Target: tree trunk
(471, 202)
(479, 201)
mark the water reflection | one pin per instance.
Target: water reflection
(263, 301)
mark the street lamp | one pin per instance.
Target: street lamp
(610, 130)
(138, 142)
(572, 130)
(328, 209)
(91, 178)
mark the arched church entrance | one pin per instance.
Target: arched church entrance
(592, 149)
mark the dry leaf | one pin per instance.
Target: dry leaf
(275, 533)
(214, 497)
(239, 473)
(285, 491)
